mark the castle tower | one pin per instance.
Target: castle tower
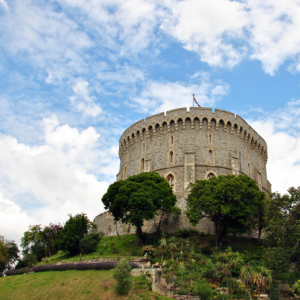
(185, 146)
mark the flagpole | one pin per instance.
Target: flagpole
(193, 100)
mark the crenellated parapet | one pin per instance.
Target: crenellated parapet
(198, 117)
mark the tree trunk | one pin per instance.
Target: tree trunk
(249, 293)
(139, 234)
(259, 234)
(220, 237)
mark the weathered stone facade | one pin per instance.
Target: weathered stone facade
(185, 146)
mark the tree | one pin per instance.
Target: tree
(230, 201)
(163, 246)
(39, 241)
(122, 273)
(228, 261)
(139, 198)
(283, 229)
(162, 219)
(76, 228)
(9, 254)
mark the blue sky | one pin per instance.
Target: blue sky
(76, 73)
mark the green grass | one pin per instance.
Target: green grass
(71, 285)
(126, 246)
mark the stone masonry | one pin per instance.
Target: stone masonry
(184, 146)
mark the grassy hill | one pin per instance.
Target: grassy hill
(71, 285)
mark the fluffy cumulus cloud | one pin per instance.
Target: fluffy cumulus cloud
(158, 96)
(82, 100)
(281, 132)
(42, 184)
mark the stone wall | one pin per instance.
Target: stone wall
(189, 146)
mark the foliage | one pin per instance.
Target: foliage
(163, 218)
(228, 262)
(138, 198)
(89, 243)
(8, 254)
(231, 202)
(122, 274)
(151, 239)
(206, 250)
(186, 232)
(150, 250)
(163, 245)
(40, 241)
(75, 229)
(209, 271)
(27, 261)
(274, 291)
(16, 271)
(283, 230)
(203, 290)
(259, 276)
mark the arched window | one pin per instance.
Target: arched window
(170, 179)
(210, 156)
(142, 165)
(210, 175)
(124, 175)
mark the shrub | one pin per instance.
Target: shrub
(206, 250)
(80, 266)
(16, 271)
(223, 297)
(186, 232)
(274, 291)
(203, 290)
(89, 243)
(150, 250)
(210, 270)
(1, 274)
(122, 273)
(151, 239)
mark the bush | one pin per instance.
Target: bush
(186, 232)
(150, 250)
(206, 250)
(16, 271)
(89, 243)
(210, 270)
(1, 274)
(151, 239)
(122, 273)
(80, 266)
(223, 297)
(203, 290)
(274, 291)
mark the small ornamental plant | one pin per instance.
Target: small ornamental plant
(122, 273)
(150, 250)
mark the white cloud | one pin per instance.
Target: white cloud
(4, 4)
(43, 184)
(204, 26)
(281, 132)
(82, 100)
(162, 96)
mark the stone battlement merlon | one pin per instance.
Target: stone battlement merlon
(199, 113)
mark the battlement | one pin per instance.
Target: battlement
(201, 114)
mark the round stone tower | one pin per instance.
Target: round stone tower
(184, 146)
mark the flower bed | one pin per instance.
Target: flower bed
(16, 271)
(79, 266)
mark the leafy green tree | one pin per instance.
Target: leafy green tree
(9, 254)
(89, 243)
(75, 229)
(230, 201)
(138, 198)
(122, 273)
(283, 230)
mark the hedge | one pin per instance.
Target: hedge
(79, 266)
(16, 271)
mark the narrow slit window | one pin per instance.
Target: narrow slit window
(210, 156)
(249, 170)
(171, 140)
(210, 138)
(142, 165)
(171, 157)
(124, 177)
